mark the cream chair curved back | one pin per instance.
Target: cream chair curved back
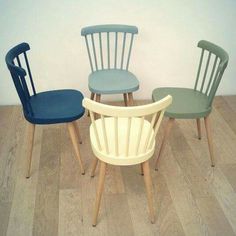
(124, 136)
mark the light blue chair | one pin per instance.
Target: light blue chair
(109, 49)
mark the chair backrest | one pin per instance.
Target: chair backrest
(18, 74)
(109, 46)
(208, 82)
(155, 111)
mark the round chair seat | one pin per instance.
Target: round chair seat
(112, 81)
(122, 158)
(58, 106)
(187, 103)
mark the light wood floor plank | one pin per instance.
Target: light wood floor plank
(224, 139)
(225, 195)
(11, 139)
(25, 191)
(229, 171)
(118, 218)
(214, 217)
(168, 221)
(228, 114)
(70, 213)
(182, 196)
(189, 166)
(137, 201)
(47, 196)
(231, 100)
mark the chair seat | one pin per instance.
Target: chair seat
(122, 159)
(187, 103)
(58, 106)
(113, 81)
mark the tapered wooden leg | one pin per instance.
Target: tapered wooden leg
(149, 188)
(77, 131)
(74, 139)
(209, 139)
(131, 99)
(92, 98)
(125, 99)
(98, 99)
(100, 187)
(166, 135)
(141, 169)
(199, 128)
(31, 130)
(94, 166)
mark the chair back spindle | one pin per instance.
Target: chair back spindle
(95, 130)
(210, 71)
(19, 74)
(109, 35)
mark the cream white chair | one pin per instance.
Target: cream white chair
(123, 136)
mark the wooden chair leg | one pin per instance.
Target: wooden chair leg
(131, 99)
(94, 166)
(125, 99)
(31, 130)
(209, 139)
(149, 188)
(74, 139)
(100, 187)
(77, 131)
(92, 98)
(199, 128)
(98, 99)
(166, 135)
(141, 169)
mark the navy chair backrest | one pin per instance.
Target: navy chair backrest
(18, 74)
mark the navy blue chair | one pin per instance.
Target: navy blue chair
(50, 107)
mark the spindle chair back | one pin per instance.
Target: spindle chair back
(209, 75)
(138, 134)
(18, 65)
(102, 39)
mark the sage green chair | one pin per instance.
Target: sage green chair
(196, 103)
(109, 49)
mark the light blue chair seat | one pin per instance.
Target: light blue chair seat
(113, 82)
(109, 50)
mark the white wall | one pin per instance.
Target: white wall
(164, 53)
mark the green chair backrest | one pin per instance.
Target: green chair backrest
(104, 41)
(208, 82)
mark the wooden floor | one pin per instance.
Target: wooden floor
(191, 198)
